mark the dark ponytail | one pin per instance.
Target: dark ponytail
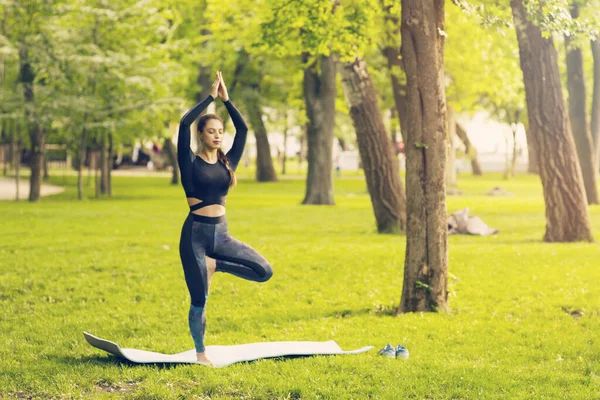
(225, 161)
(221, 156)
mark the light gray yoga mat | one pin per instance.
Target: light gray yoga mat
(222, 356)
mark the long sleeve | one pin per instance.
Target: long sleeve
(185, 156)
(241, 132)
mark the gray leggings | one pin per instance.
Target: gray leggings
(209, 236)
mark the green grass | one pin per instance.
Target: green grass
(524, 321)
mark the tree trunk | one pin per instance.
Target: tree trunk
(319, 96)
(4, 159)
(285, 139)
(45, 166)
(252, 80)
(595, 123)
(16, 153)
(379, 161)
(578, 115)
(513, 163)
(110, 165)
(13, 143)
(9, 150)
(94, 167)
(171, 151)
(302, 151)
(37, 135)
(104, 166)
(533, 166)
(470, 150)
(426, 261)
(18, 168)
(15, 149)
(567, 217)
(205, 76)
(3, 122)
(391, 51)
(265, 171)
(393, 131)
(451, 154)
(80, 161)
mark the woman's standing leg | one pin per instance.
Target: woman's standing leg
(192, 251)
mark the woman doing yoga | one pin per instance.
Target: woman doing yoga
(206, 246)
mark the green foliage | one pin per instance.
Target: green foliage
(312, 26)
(554, 16)
(482, 62)
(101, 65)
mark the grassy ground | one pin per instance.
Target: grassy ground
(524, 322)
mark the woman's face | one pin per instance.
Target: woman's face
(212, 135)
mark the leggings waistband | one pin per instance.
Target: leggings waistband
(208, 220)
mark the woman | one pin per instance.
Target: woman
(206, 246)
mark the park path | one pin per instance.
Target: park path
(8, 189)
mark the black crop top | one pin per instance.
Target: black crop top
(200, 179)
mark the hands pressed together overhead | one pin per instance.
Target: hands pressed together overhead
(218, 88)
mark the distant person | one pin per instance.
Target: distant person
(205, 245)
(136, 153)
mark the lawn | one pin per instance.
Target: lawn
(524, 320)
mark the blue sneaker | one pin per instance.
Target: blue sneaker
(401, 352)
(388, 351)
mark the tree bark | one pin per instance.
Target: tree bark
(578, 115)
(285, 140)
(94, 166)
(8, 157)
(567, 217)
(37, 135)
(380, 164)
(89, 159)
(451, 150)
(533, 166)
(110, 165)
(18, 168)
(302, 151)
(13, 143)
(319, 96)
(81, 157)
(426, 261)
(595, 123)
(391, 51)
(4, 160)
(205, 76)
(45, 166)
(104, 164)
(265, 170)
(171, 152)
(513, 161)
(470, 150)
(251, 82)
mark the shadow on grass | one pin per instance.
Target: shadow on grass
(352, 313)
(112, 360)
(105, 361)
(501, 241)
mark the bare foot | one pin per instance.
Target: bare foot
(211, 266)
(201, 357)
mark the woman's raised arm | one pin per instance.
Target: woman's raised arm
(241, 132)
(185, 156)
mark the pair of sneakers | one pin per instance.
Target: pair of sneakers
(391, 352)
